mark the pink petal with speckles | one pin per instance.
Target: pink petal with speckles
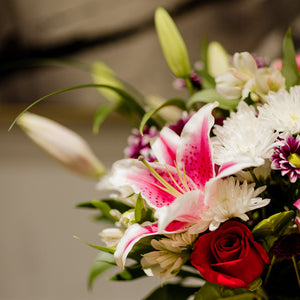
(135, 174)
(194, 150)
(165, 146)
(186, 208)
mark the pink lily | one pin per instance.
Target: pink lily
(178, 186)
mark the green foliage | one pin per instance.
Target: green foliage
(142, 213)
(101, 248)
(178, 102)
(102, 263)
(211, 95)
(102, 113)
(112, 203)
(211, 291)
(273, 225)
(290, 68)
(269, 230)
(129, 273)
(171, 291)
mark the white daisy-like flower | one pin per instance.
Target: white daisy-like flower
(172, 252)
(282, 111)
(244, 138)
(231, 199)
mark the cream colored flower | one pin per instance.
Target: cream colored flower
(172, 253)
(246, 78)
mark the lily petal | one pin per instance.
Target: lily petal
(157, 192)
(194, 155)
(135, 233)
(165, 146)
(186, 208)
(131, 236)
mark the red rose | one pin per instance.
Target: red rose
(229, 256)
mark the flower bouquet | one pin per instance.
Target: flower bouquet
(209, 188)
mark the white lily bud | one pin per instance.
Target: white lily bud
(64, 145)
(172, 44)
(217, 59)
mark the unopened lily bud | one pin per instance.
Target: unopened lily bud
(64, 145)
(172, 44)
(102, 74)
(217, 59)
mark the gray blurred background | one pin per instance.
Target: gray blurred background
(39, 258)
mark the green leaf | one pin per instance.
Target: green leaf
(104, 208)
(211, 95)
(211, 291)
(102, 113)
(102, 263)
(85, 205)
(208, 82)
(273, 225)
(178, 102)
(290, 68)
(142, 214)
(101, 248)
(129, 273)
(141, 247)
(139, 207)
(203, 52)
(171, 291)
(128, 99)
(112, 203)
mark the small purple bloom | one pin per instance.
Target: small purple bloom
(140, 145)
(287, 246)
(196, 81)
(287, 158)
(177, 128)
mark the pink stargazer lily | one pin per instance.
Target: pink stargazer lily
(177, 187)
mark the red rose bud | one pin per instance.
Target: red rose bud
(287, 246)
(229, 256)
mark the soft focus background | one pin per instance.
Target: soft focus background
(39, 258)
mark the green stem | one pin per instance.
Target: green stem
(296, 269)
(269, 270)
(189, 86)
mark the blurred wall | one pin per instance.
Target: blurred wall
(40, 259)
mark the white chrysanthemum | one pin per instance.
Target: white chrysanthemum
(282, 111)
(172, 253)
(243, 138)
(230, 199)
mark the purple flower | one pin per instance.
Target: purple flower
(287, 246)
(140, 145)
(287, 158)
(196, 81)
(177, 128)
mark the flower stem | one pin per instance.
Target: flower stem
(296, 269)
(269, 270)
(189, 86)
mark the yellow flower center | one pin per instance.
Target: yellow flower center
(294, 159)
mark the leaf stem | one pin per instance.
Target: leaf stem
(269, 270)
(189, 86)
(296, 269)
